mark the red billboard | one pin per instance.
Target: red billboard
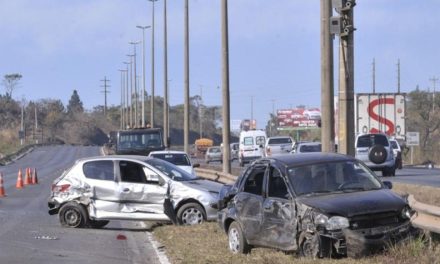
(297, 118)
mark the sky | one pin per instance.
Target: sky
(274, 49)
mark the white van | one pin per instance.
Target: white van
(251, 147)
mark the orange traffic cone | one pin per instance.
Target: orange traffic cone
(19, 184)
(34, 177)
(27, 178)
(2, 188)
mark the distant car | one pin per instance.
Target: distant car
(214, 154)
(234, 151)
(318, 204)
(306, 147)
(99, 189)
(397, 153)
(278, 145)
(376, 151)
(178, 158)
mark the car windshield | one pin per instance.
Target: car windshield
(279, 141)
(310, 148)
(394, 144)
(370, 140)
(179, 159)
(214, 150)
(343, 176)
(171, 170)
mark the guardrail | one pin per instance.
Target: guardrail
(427, 216)
(217, 176)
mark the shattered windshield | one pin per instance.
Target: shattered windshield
(171, 170)
(343, 176)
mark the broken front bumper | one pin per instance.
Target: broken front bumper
(362, 242)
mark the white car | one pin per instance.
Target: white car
(178, 158)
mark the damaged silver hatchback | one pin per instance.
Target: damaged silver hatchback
(317, 204)
(98, 189)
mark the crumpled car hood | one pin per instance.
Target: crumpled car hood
(355, 203)
(204, 185)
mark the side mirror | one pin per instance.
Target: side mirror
(388, 184)
(161, 181)
(196, 165)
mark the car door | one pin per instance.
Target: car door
(249, 202)
(279, 221)
(141, 192)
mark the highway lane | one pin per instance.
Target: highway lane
(28, 234)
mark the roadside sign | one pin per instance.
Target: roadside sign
(412, 138)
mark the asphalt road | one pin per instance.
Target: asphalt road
(28, 234)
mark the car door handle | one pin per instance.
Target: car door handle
(126, 189)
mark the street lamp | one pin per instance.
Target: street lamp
(143, 72)
(122, 98)
(131, 90)
(165, 73)
(152, 66)
(126, 95)
(135, 85)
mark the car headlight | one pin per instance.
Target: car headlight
(406, 213)
(332, 223)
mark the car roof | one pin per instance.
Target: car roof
(116, 157)
(168, 152)
(292, 160)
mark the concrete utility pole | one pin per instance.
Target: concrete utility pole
(327, 89)
(398, 76)
(152, 66)
(225, 83)
(105, 93)
(186, 76)
(374, 75)
(346, 77)
(165, 75)
(434, 81)
(36, 126)
(143, 74)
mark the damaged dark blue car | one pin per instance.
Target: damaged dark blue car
(317, 204)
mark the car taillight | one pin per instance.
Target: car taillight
(60, 188)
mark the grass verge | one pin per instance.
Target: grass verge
(207, 243)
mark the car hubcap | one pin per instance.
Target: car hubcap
(72, 217)
(234, 242)
(192, 216)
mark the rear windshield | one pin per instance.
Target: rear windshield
(370, 140)
(394, 144)
(273, 141)
(310, 148)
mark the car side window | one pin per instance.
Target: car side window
(132, 172)
(99, 170)
(254, 182)
(277, 186)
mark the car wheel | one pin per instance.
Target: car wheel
(377, 154)
(98, 223)
(392, 171)
(73, 215)
(310, 246)
(240, 161)
(237, 240)
(385, 172)
(190, 214)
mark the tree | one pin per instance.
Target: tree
(10, 82)
(75, 105)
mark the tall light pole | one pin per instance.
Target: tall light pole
(127, 118)
(131, 90)
(152, 66)
(225, 84)
(165, 74)
(143, 74)
(186, 77)
(136, 119)
(122, 98)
